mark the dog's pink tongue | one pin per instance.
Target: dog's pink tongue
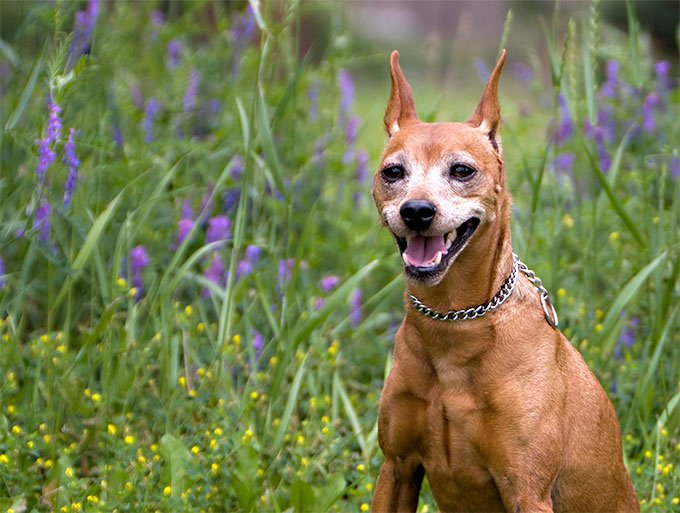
(421, 251)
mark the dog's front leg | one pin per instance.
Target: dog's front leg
(398, 487)
(525, 494)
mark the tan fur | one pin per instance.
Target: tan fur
(501, 412)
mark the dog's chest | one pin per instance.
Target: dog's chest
(442, 434)
(452, 454)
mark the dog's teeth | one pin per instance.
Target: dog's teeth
(405, 259)
(438, 258)
(449, 239)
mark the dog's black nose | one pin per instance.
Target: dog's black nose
(417, 214)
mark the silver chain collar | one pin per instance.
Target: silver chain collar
(501, 296)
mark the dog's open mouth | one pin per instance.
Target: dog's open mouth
(425, 256)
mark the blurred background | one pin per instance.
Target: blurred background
(197, 303)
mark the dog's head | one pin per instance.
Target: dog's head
(438, 184)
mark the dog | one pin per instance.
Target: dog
(490, 402)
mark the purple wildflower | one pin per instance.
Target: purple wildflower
(328, 283)
(599, 135)
(483, 71)
(157, 18)
(54, 125)
(41, 221)
(258, 343)
(244, 27)
(611, 83)
(137, 96)
(355, 307)
(230, 198)
(346, 87)
(523, 73)
(184, 226)
(313, 95)
(82, 31)
(362, 173)
(243, 268)
(675, 166)
(241, 33)
(362, 166)
(606, 122)
(627, 337)
(187, 211)
(192, 90)
(174, 50)
(564, 163)
(602, 153)
(150, 113)
(218, 229)
(253, 253)
(652, 101)
(319, 302)
(2, 273)
(46, 155)
(215, 273)
(139, 260)
(350, 136)
(72, 162)
(236, 170)
(565, 126)
(116, 133)
(285, 271)
(663, 76)
(351, 130)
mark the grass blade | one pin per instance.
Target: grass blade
(623, 298)
(290, 405)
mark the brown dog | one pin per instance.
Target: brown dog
(493, 404)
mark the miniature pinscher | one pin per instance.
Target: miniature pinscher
(486, 397)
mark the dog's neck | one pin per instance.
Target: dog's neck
(477, 273)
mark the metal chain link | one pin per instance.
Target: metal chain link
(501, 296)
(472, 313)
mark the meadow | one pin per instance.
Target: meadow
(197, 306)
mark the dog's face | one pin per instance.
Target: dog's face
(438, 183)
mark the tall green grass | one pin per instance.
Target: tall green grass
(161, 389)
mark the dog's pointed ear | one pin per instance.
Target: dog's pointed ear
(487, 115)
(401, 110)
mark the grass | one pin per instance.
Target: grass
(221, 374)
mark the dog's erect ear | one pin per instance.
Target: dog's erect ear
(487, 115)
(401, 110)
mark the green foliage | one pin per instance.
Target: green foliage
(140, 386)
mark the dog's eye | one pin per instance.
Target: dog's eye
(461, 172)
(393, 173)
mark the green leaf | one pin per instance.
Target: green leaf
(302, 497)
(351, 413)
(613, 200)
(290, 405)
(174, 452)
(623, 298)
(91, 241)
(26, 94)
